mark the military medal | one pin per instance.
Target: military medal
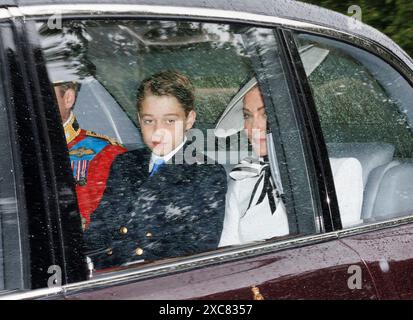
(80, 169)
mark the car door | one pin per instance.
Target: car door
(311, 262)
(296, 272)
(364, 106)
(32, 242)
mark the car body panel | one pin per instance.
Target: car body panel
(318, 271)
(388, 255)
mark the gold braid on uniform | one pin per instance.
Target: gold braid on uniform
(72, 129)
(97, 135)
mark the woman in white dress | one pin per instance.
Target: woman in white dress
(254, 209)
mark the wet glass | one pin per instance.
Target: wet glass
(111, 58)
(365, 111)
(11, 260)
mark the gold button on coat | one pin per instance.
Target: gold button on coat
(109, 252)
(123, 230)
(139, 251)
(149, 234)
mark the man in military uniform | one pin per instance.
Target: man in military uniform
(91, 154)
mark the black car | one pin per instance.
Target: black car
(334, 88)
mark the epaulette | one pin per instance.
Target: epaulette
(102, 136)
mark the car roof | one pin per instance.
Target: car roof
(288, 9)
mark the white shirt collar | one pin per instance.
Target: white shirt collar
(69, 119)
(166, 157)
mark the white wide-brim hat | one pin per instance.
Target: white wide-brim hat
(59, 73)
(232, 120)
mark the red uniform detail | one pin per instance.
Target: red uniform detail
(90, 194)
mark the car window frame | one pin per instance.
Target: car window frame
(277, 36)
(370, 47)
(10, 101)
(262, 81)
(36, 176)
(228, 254)
(322, 177)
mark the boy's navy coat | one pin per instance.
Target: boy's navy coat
(178, 211)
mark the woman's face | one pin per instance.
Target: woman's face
(255, 121)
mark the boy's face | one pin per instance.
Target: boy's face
(163, 123)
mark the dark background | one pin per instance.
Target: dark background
(392, 17)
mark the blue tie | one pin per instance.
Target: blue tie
(156, 166)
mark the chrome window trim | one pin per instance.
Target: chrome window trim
(375, 226)
(33, 294)
(385, 53)
(201, 260)
(4, 14)
(188, 12)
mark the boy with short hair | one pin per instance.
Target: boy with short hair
(155, 206)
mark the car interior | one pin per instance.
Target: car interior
(372, 125)
(364, 107)
(96, 110)
(384, 186)
(371, 165)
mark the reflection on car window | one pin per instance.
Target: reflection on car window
(155, 102)
(365, 111)
(11, 237)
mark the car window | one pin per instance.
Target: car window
(137, 97)
(364, 106)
